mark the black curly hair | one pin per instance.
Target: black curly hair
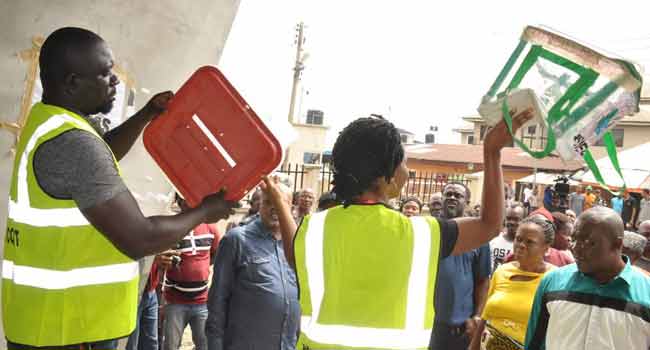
(366, 150)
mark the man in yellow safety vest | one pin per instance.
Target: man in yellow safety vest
(74, 230)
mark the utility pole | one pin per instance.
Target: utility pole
(297, 68)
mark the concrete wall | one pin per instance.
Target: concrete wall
(530, 139)
(158, 43)
(407, 139)
(464, 138)
(421, 166)
(633, 135)
(309, 138)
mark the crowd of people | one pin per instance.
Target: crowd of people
(484, 297)
(357, 273)
(536, 241)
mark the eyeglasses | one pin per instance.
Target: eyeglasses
(456, 195)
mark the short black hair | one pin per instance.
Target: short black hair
(327, 199)
(411, 199)
(367, 149)
(468, 193)
(54, 60)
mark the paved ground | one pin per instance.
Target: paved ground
(186, 343)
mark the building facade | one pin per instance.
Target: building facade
(468, 159)
(629, 132)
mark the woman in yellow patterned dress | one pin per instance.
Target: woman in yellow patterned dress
(513, 286)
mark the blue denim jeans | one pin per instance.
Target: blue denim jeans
(177, 317)
(145, 335)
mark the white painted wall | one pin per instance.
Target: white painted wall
(159, 43)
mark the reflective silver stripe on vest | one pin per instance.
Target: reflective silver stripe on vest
(46, 217)
(365, 337)
(53, 279)
(419, 279)
(20, 210)
(412, 337)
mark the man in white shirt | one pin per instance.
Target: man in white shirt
(528, 193)
(644, 208)
(501, 246)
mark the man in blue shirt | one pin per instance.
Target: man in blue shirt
(600, 302)
(617, 204)
(253, 301)
(548, 198)
(463, 282)
(577, 201)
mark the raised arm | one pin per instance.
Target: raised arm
(270, 185)
(474, 232)
(122, 137)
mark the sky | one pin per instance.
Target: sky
(418, 63)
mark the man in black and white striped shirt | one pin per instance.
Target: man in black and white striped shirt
(186, 285)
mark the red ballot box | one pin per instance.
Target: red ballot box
(210, 138)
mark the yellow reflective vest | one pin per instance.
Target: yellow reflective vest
(63, 282)
(367, 278)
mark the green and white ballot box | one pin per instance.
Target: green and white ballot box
(577, 93)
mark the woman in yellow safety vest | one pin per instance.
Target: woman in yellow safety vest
(367, 273)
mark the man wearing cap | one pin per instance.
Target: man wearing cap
(633, 246)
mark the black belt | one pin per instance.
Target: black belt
(456, 331)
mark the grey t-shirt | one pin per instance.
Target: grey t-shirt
(77, 165)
